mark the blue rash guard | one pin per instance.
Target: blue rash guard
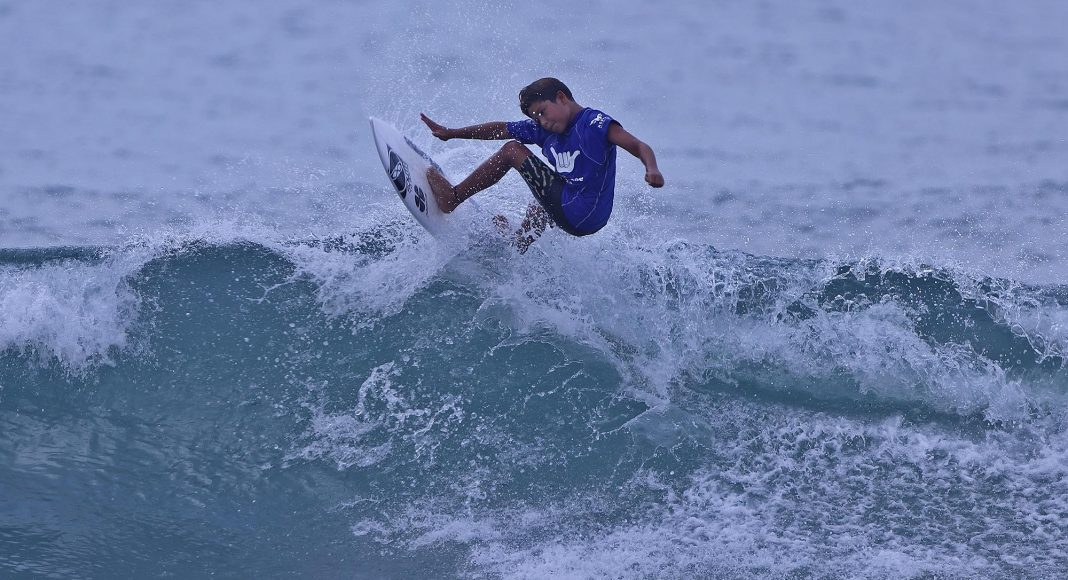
(583, 156)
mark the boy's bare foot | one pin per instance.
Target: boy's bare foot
(443, 191)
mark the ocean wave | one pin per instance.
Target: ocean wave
(591, 408)
(664, 315)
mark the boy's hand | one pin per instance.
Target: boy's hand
(439, 131)
(654, 178)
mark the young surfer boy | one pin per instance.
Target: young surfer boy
(581, 143)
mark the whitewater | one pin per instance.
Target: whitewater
(833, 346)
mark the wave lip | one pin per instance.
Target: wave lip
(867, 332)
(71, 307)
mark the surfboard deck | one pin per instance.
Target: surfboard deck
(406, 165)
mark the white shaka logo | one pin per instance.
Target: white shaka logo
(565, 162)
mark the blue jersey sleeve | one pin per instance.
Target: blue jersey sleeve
(594, 135)
(527, 132)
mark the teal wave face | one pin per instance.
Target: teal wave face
(678, 314)
(365, 406)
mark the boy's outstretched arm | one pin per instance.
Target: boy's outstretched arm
(486, 131)
(617, 135)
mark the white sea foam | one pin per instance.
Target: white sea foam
(797, 494)
(375, 285)
(673, 311)
(74, 313)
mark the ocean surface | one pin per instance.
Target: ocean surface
(834, 345)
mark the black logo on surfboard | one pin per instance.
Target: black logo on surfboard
(401, 177)
(398, 173)
(420, 198)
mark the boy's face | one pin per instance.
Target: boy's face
(553, 116)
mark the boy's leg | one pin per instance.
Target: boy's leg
(532, 227)
(511, 155)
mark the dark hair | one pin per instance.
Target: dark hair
(541, 90)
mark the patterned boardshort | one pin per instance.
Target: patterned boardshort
(547, 185)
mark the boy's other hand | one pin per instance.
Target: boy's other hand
(438, 130)
(654, 178)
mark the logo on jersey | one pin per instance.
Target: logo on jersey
(599, 120)
(565, 162)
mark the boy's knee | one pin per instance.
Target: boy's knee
(516, 152)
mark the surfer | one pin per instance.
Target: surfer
(581, 142)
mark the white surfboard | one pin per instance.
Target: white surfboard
(406, 166)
